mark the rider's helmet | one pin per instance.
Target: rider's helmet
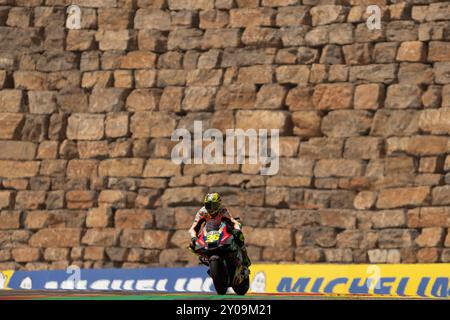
(212, 203)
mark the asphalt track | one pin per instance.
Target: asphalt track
(83, 295)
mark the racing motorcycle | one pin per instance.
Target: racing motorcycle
(217, 248)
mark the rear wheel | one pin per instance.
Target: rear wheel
(242, 288)
(219, 274)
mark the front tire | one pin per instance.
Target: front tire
(242, 288)
(219, 274)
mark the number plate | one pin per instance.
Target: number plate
(212, 236)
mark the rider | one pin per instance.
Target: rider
(213, 210)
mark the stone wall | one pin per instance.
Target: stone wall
(86, 118)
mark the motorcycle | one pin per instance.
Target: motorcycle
(217, 249)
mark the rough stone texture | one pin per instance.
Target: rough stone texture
(369, 96)
(333, 96)
(435, 121)
(86, 118)
(85, 127)
(398, 197)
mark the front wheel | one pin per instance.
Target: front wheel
(219, 274)
(242, 288)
